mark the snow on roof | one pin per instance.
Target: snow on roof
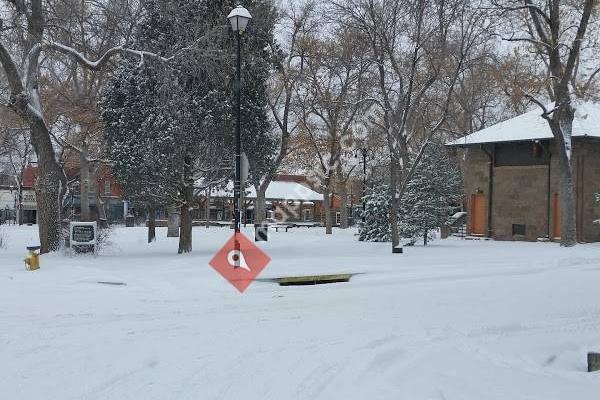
(531, 126)
(277, 190)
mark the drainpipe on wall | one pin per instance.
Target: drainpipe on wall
(490, 154)
(549, 193)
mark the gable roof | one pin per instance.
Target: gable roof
(531, 126)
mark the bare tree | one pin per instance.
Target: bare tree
(72, 91)
(332, 97)
(419, 49)
(294, 24)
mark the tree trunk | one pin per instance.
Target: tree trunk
(260, 204)
(19, 210)
(425, 239)
(47, 196)
(207, 207)
(151, 223)
(84, 185)
(101, 211)
(344, 206)
(48, 188)
(562, 128)
(568, 224)
(185, 230)
(173, 222)
(394, 202)
(327, 210)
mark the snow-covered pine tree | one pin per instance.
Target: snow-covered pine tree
(429, 196)
(138, 135)
(188, 115)
(376, 225)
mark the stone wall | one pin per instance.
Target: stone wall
(587, 153)
(475, 168)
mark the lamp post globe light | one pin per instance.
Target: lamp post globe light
(239, 18)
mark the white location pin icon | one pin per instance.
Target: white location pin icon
(235, 258)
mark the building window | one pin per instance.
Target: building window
(518, 229)
(338, 218)
(307, 214)
(107, 188)
(520, 154)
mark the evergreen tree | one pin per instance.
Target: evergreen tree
(182, 127)
(430, 194)
(426, 204)
(130, 109)
(376, 225)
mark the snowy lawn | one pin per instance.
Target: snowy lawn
(456, 320)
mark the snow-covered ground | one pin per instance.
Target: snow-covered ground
(456, 320)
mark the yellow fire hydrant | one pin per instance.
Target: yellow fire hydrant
(32, 259)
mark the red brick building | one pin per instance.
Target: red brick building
(106, 188)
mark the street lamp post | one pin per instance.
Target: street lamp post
(239, 18)
(363, 152)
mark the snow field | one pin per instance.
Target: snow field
(455, 320)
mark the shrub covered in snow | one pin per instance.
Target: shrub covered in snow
(376, 227)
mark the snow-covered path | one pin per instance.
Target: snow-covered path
(456, 320)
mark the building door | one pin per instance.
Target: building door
(556, 217)
(478, 214)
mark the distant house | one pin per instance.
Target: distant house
(511, 177)
(288, 197)
(28, 203)
(106, 188)
(285, 199)
(8, 197)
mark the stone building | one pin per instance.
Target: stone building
(511, 177)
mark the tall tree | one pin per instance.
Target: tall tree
(287, 54)
(333, 96)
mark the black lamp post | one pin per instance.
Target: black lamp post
(239, 18)
(363, 152)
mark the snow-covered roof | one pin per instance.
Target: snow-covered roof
(531, 126)
(277, 190)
